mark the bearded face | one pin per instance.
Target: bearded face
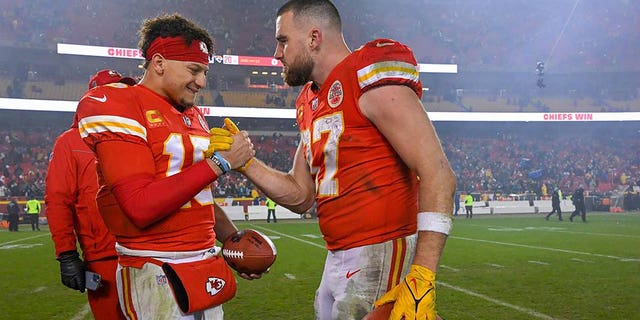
(298, 72)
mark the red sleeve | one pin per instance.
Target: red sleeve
(108, 114)
(387, 62)
(142, 198)
(60, 194)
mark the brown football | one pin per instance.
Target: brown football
(383, 312)
(249, 251)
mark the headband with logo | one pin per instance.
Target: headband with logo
(175, 48)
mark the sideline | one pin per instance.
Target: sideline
(530, 312)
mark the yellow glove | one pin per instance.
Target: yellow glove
(229, 125)
(415, 297)
(219, 140)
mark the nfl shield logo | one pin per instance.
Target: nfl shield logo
(161, 279)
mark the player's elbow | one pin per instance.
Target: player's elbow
(301, 207)
(139, 221)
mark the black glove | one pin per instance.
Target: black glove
(72, 270)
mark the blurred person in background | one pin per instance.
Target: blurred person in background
(370, 157)
(13, 210)
(556, 197)
(271, 210)
(578, 202)
(468, 205)
(456, 203)
(33, 208)
(70, 197)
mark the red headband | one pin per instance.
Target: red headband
(175, 48)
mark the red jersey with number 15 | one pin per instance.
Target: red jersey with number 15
(176, 140)
(365, 193)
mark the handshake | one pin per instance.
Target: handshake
(229, 148)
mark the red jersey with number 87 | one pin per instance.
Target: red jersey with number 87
(365, 193)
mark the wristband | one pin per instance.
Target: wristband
(245, 165)
(434, 221)
(221, 162)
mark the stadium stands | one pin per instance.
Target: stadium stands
(496, 55)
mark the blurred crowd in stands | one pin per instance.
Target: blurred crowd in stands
(510, 161)
(590, 52)
(479, 35)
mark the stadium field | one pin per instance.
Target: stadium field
(494, 267)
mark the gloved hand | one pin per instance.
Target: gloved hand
(219, 140)
(229, 125)
(72, 270)
(415, 297)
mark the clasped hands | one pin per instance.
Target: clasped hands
(231, 144)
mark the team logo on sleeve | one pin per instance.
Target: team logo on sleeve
(335, 95)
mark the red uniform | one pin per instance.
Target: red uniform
(176, 140)
(71, 188)
(365, 193)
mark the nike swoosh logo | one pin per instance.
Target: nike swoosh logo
(415, 285)
(350, 274)
(384, 44)
(103, 99)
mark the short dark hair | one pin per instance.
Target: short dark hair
(171, 25)
(319, 9)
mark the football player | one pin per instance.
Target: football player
(156, 163)
(70, 193)
(371, 159)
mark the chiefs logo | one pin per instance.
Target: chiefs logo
(203, 47)
(214, 285)
(335, 95)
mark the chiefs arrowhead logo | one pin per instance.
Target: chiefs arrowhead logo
(214, 285)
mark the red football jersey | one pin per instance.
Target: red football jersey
(70, 196)
(365, 193)
(176, 140)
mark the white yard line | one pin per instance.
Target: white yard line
(528, 311)
(23, 239)
(495, 265)
(82, 313)
(448, 268)
(581, 260)
(290, 237)
(546, 248)
(553, 229)
(463, 290)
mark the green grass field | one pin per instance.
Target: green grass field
(494, 267)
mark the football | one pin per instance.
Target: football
(382, 313)
(249, 251)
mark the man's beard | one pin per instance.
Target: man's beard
(299, 72)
